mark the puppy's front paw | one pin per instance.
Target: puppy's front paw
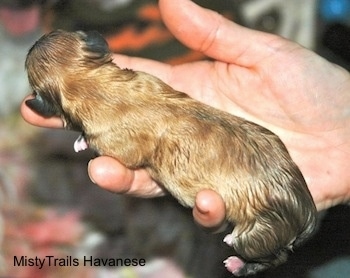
(80, 144)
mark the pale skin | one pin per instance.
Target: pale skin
(264, 78)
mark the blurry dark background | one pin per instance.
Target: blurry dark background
(50, 207)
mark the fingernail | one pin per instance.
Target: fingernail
(89, 166)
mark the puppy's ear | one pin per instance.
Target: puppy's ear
(95, 42)
(42, 106)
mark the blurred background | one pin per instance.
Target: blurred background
(50, 207)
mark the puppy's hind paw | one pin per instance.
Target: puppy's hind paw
(234, 264)
(228, 239)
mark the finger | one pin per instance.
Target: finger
(35, 119)
(159, 69)
(209, 210)
(219, 38)
(111, 175)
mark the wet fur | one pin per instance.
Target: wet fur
(186, 146)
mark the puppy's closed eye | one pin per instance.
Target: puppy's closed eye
(95, 42)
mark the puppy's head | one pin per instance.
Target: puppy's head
(58, 63)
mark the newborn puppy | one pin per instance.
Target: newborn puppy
(186, 146)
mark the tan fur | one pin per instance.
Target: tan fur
(185, 145)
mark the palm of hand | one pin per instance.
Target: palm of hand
(304, 104)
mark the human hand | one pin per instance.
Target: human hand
(266, 79)
(260, 77)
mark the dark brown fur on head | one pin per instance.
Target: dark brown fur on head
(185, 145)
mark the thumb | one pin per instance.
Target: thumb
(209, 32)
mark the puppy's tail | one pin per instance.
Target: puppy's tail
(308, 229)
